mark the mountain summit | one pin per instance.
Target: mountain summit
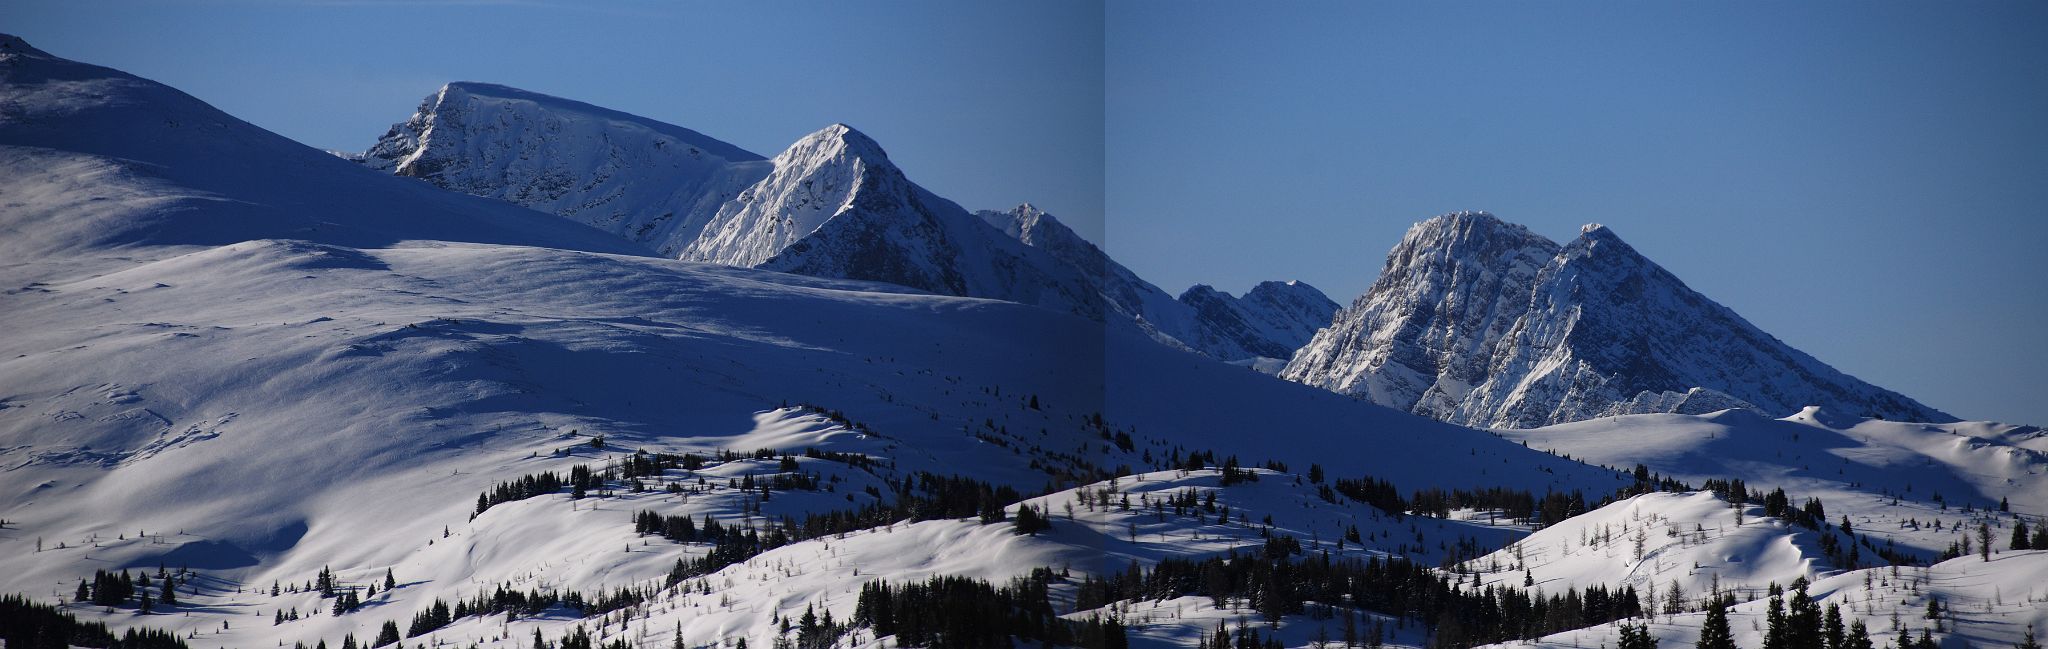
(1478, 321)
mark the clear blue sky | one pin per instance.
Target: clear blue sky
(1864, 180)
(1867, 181)
(989, 104)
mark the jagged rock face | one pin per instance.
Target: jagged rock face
(652, 183)
(1269, 322)
(1481, 322)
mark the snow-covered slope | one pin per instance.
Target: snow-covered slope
(1269, 322)
(831, 205)
(1988, 604)
(1482, 322)
(1693, 540)
(1892, 479)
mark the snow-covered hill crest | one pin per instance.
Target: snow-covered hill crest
(1478, 321)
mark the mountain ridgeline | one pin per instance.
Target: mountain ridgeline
(1481, 322)
(831, 205)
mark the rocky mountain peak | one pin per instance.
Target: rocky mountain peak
(1478, 321)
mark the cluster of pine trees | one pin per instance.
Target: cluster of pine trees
(28, 625)
(953, 612)
(922, 496)
(1274, 583)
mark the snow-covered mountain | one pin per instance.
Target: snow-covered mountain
(1267, 324)
(231, 353)
(653, 183)
(831, 205)
(1481, 322)
(1271, 321)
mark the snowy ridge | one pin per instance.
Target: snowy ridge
(831, 205)
(1481, 322)
(652, 183)
(1269, 322)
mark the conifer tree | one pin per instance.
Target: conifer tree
(1803, 622)
(1859, 637)
(1831, 628)
(1774, 621)
(1714, 633)
(2020, 541)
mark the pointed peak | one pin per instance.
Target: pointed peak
(1289, 286)
(1200, 291)
(1594, 236)
(839, 136)
(15, 45)
(1476, 227)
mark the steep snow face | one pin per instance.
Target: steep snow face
(644, 180)
(1270, 322)
(835, 206)
(1481, 322)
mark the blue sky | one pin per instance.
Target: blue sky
(1864, 180)
(990, 104)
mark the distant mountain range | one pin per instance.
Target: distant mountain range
(831, 205)
(1473, 321)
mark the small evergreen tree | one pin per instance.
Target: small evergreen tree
(1714, 633)
(1859, 637)
(1031, 521)
(2020, 541)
